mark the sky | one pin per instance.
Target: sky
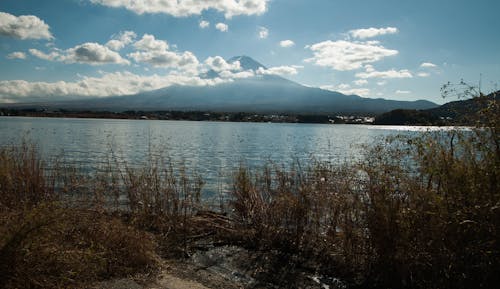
(393, 49)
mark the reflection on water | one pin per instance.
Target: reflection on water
(210, 148)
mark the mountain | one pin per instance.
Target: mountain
(246, 63)
(461, 112)
(261, 93)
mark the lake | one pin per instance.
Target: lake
(213, 149)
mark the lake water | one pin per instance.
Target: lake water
(213, 149)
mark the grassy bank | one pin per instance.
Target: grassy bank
(415, 213)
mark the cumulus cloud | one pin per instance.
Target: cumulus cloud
(121, 40)
(403, 92)
(218, 64)
(287, 43)
(423, 74)
(88, 53)
(108, 84)
(149, 43)
(278, 70)
(156, 53)
(428, 65)
(230, 75)
(356, 91)
(370, 72)
(52, 56)
(360, 82)
(372, 32)
(17, 55)
(185, 60)
(222, 27)
(183, 8)
(263, 32)
(204, 24)
(94, 54)
(227, 71)
(346, 89)
(24, 27)
(345, 55)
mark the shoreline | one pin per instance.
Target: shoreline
(197, 116)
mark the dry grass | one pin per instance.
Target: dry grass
(60, 227)
(418, 212)
(48, 243)
(49, 246)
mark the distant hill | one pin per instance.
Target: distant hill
(261, 93)
(462, 112)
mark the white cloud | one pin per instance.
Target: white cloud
(428, 65)
(372, 32)
(109, 84)
(88, 53)
(183, 8)
(372, 73)
(24, 27)
(204, 24)
(124, 83)
(52, 56)
(356, 91)
(149, 43)
(278, 70)
(287, 43)
(121, 40)
(403, 92)
(345, 55)
(423, 74)
(218, 64)
(360, 82)
(263, 32)
(156, 52)
(347, 90)
(381, 83)
(222, 27)
(185, 60)
(225, 70)
(230, 75)
(94, 54)
(17, 55)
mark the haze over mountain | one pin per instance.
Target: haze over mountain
(263, 93)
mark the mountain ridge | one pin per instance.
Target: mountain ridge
(459, 112)
(260, 94)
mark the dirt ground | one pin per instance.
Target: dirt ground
(228, 267)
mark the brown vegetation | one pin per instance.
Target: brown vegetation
(419, 212)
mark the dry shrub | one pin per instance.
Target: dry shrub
(433, 207)
(315, 213)
(417, 212)
(436, 225)
(47, 244)
(156, 192)
(23, 179)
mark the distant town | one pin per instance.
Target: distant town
(194, 116)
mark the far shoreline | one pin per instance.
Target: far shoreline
(239, 117)
(197, 116)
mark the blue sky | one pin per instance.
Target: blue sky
(394, 49)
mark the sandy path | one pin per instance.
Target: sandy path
(167, 281)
